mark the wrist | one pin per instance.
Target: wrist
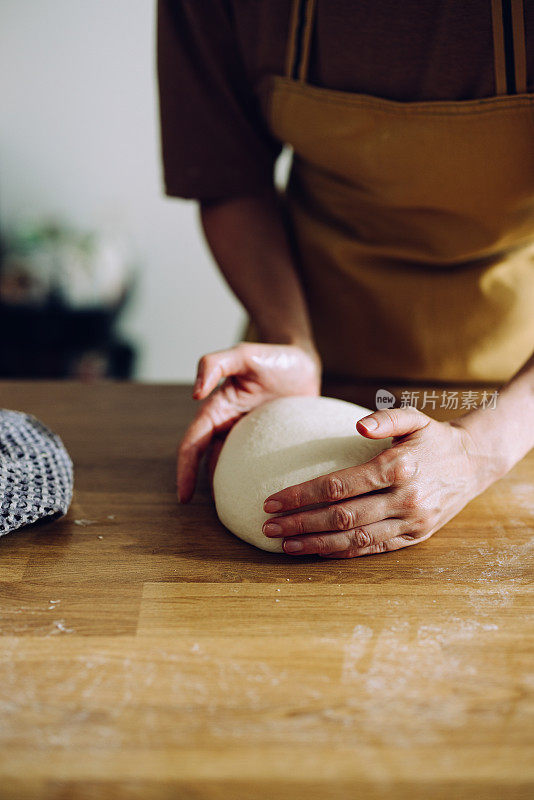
(487, 449)
(302, 340)
(309, 349)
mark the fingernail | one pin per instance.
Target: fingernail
(272, 506)
(292, 546)
(272, 529)
(369, 424)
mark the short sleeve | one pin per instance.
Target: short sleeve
(214, 141)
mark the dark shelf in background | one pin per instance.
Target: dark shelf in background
(55, 341)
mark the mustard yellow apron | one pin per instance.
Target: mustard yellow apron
(413, 223)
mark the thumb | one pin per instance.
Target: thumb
(392, 422)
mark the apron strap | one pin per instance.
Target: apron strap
(299, 39)
(509, 52)
(499, 58)
(509, 78)
(306, 39)
(291, 52)
(520, 58)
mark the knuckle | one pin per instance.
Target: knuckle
(401, 469)
(321, 545)
(422, 522)
(379, 547)
(361, 538)
(392, 416)
(297, 524)
(418, 510)
(296, 498)
(342, 518)
(413, 503)
(334, 488)
(424, 511)
(382, 463)
(244, 349)
(328, 545)
(412, 535)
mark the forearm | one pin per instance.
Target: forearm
(506, 433)
(248, 240)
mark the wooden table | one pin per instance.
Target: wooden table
(179, 662)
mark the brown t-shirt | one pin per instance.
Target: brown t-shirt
(211, 53)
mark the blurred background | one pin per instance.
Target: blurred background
(100, 275)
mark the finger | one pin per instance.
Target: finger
(360, 538)
(215, 366)
(392, 422)
(215, 416)
(193, 445)
(331, 488)
(343, 516)
(396, 543)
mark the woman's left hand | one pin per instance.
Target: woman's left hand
(399, 498)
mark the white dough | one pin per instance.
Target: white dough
(279, 444)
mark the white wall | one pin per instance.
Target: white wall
(79, 141)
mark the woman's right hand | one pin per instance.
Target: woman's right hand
(253, 374)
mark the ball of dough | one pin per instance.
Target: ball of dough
(281, 443)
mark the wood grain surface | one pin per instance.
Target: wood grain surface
(147, 653)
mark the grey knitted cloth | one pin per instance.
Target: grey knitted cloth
(36, 473)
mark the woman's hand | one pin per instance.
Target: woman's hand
(399, 498)
(253, 374)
